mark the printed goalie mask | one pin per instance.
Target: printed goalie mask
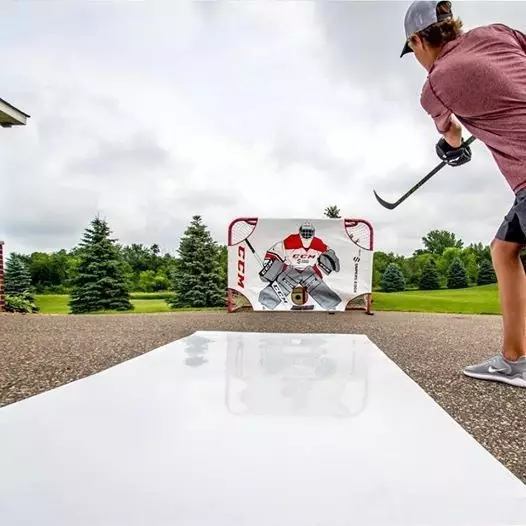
(307, 231)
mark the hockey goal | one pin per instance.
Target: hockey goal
(244, 246)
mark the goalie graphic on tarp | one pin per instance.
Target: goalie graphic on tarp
(296, 266)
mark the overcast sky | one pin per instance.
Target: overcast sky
(148, 113)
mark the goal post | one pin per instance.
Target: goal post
(277, 264)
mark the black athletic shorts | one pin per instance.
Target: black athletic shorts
(513, 228)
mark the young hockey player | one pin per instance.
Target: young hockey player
(477, 79)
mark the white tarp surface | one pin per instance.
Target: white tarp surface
(238, 429)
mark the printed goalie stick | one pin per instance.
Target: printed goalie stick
(274, 285)
(437, 168)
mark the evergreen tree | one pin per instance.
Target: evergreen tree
(393, 279)
(197, 279)
(486, 273)
(332, 212)
(17, 276)
(223, 264)
(457, 277)
(430, 279)
(99, 281)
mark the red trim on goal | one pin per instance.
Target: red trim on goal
(249, 220)
(354, 222)
(230, 302)
(348, 222)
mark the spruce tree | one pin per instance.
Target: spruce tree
(486, 273)
(332, 212)
(430, 279)
(197, 279)
(393, 279)
(457, 277)
(99, 281)
(17, 276)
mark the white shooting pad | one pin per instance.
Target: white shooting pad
(229, 429)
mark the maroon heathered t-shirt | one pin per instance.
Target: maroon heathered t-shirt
(481, 78)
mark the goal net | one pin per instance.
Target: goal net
(298, 264)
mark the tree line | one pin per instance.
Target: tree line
(443, 261)
(100, 273)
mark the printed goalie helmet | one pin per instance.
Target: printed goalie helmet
(307, 230)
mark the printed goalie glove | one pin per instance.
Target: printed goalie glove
(328, 261)
(453, 156)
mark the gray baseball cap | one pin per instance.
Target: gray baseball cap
(419, 15)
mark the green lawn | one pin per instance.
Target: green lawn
(58, 304)
(52, 303)
(474, 300)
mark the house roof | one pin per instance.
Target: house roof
(10, 115)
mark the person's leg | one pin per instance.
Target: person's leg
(509, 366)
(511, 281)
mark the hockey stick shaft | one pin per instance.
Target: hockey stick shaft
(412, 190)
(254, 252)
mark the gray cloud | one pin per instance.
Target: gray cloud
(40, 218)
(312, 151)
(364, 39)
(147, 116)
(136, 153)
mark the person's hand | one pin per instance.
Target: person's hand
(453, 156)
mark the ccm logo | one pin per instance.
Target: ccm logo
(241, 266)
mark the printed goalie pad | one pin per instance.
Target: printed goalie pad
(291, 264)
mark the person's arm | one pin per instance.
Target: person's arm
(453, 135)
(449, 148)
(521, 38)
(445, 122)
(433, 106)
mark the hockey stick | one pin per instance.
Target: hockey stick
(274, 285)
(437, 168)
(249, 245)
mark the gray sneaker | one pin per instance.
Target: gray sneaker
(499, 369)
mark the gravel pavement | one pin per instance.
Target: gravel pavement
(40, 352)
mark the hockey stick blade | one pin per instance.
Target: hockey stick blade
(391, 206)
(385, 204)
(435, 170)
